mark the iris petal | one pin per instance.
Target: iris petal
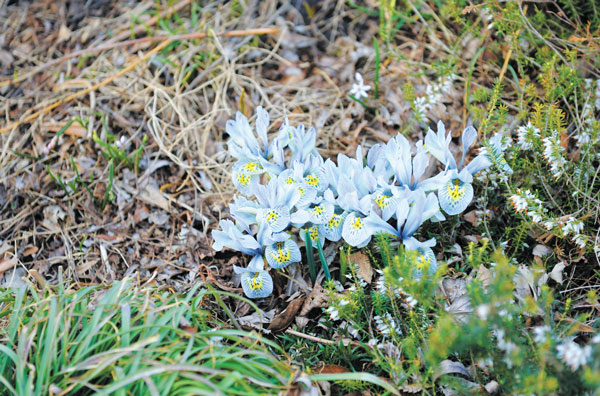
(455, 196)
(243, 181)
(281, 254)
(257, 284)
(276, 218)
(332, 230)
(387, 203)
(426, 261)
(307, 195)
(314, 232)
(355, 231)
(320, 213)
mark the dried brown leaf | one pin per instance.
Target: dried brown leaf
(364, 266)
(282, 320)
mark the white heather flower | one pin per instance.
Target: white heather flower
(506, 346)
(596, 339)
(333, 313)
(535, 216)
(410, 301)
(553, 154)
(421, 108)
(573, 226)
(583, 137)
(386, 324)
(580, 240)
(540, 334)
(550, 224)
(121, 142)
(482, 311)
(573, 355)
(526, 135)
(518, 202)
(359, 90)
(344, 302)
(351, 330)
(434, 93)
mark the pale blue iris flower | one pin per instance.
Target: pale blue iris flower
(282, 251)
(455, 191)
(356, 229)
(411, 213)
(275, 203)
(300, 141)
(407, 169)
(425, 257)
(332, 229)
(243, 143)
(256, 282)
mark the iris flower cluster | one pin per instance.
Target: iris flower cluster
(287, 190)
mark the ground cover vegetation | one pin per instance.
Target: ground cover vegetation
(300, 198)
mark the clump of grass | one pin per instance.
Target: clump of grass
(129, 340)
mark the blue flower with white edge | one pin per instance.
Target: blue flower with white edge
(454, 187)
(310, 172)
(425, 257)
(354, 175)
(282, 251)
(407, 169)
(300, 141)
(243, 142)
(457, 193)
(307, 194)
(256, 282)
(232, 236)
(438, 145)
(411, 211)
(332, 229)
(276, 201)
(244, 210)
(318, 212)
(246, 174)
(387, 199)
(314, 233)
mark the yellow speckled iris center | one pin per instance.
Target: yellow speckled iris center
(255, 282)
(454, 191)
(281, 256)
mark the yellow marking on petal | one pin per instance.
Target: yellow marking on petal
(272, 216)
(358, 223)
(255, 283)
(311, 180)
(381, 201)
(253, 166)
(281, 256)
(318, 210)
(334, 222)
(455, 192)
(290, 180)
(314, 233)
(243, 179)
